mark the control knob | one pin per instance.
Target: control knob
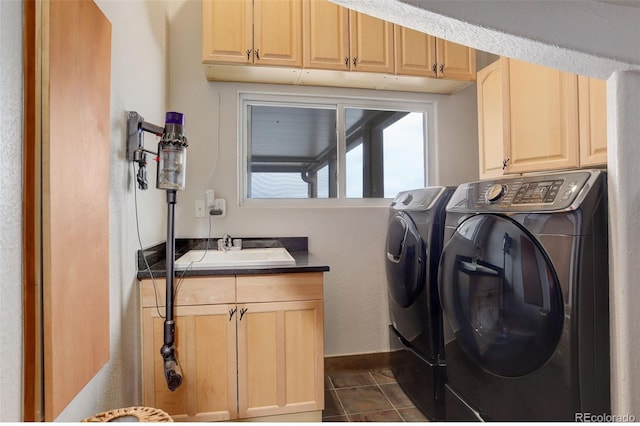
(494, 193)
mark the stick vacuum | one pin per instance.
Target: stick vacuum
(171, 177)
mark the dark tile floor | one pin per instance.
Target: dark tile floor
(372, 396)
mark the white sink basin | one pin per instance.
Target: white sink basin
(198, 259)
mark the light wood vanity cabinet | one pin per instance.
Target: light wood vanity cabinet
(548, 120)
(249, 346)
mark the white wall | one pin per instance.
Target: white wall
(349, 240)
(11, 210)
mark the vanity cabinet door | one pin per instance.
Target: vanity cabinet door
(280, 358)
(205, 342)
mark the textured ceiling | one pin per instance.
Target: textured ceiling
(593, 38)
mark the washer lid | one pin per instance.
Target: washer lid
(405, 260)
(501, 295)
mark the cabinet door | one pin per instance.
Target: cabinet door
(455, 61)
(540, 117)
(205, 342)
(326, 35)
(592, 95)
(490, 121)
(280, 358)
(227, 31)
(415, 52)
(277, 32)
(371, 43)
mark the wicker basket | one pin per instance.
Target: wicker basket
(143, 414)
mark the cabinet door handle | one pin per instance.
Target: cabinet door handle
(242, 312)
(258, 54)
(231, 312)
(441, 69)
(505, 163)
(434, 68)
(355, 61)
(249, 53)
(346, 61)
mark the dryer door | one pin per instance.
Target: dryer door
(500, 295)
(405, 261)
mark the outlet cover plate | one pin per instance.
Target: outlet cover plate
(199, 208)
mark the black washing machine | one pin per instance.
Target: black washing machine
(414, 243)
(525, 294)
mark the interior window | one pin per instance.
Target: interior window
(297, 150)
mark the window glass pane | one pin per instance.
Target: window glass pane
(385, 152)
(354, 172)
(278, 185)
(323, 182)
(291, 152)
(403, 153)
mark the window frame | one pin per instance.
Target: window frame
(339, 103)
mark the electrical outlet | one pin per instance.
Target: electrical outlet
(219, 208)
(199, 208)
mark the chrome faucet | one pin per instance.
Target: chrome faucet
(225, 243)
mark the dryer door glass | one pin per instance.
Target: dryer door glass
(500, 295)
(405, 260)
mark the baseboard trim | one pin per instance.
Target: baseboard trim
(357, 363)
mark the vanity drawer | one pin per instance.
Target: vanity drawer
(279, 287)
(191, 291)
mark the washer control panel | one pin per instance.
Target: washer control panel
(544, 192)
(417, 199)
(554, 191)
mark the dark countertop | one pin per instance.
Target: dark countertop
(296, 246)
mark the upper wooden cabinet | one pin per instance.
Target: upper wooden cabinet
(424, 55)
(316, 42)
(326, 36)
(371, 43)
(540, 116)
(592, 98)
(533, 118)
(260, 32)
(336, 38)
(490, 121)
